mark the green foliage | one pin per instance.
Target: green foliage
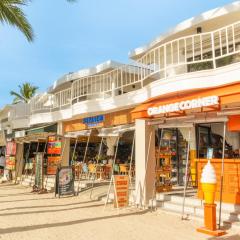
(12, 14)
(26, 92)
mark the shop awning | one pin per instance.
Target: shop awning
(47, 128)
(179, 105)
(36, 134)
(34, 137)
(115, 131)
(78, 134)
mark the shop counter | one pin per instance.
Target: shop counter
(231, 181)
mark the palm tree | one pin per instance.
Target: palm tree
(26, 92)
(12, 14)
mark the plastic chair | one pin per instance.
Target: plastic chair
(116, 168)
(123, 169)
(91, 170)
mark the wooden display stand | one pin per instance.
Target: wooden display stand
(210, 226)
(163, 173)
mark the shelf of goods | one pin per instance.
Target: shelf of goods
(170, 160)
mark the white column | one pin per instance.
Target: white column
(145, 162)
(113, 88)
(60, 128)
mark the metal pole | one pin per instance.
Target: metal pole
(132, 152)
(74, 150)
(35, 157)
(222, 173)
(84, 159)
(158, 157)
(27, 157)
(115, 156)
(99, 152)
(19, 164)
(63, 150)
(44, 152)
(186, 174)
(43, 190)
(112, 174)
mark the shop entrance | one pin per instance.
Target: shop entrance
(171, 157)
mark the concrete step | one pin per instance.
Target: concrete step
(193, 201)
(49, 183)
(197, 210)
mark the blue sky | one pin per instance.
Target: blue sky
(74, 36)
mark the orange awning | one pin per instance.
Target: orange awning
(228, 95)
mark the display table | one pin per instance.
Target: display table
(231, 181)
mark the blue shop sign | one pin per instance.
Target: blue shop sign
(93, 121)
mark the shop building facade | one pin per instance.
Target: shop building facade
(187, 78)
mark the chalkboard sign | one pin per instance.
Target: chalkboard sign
(64, 181)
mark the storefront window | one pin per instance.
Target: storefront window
(211, 136)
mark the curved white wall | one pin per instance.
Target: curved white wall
(188, 82)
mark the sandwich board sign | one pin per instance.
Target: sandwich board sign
(64, 181)
(121, 193)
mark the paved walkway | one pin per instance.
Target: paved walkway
(27, 216)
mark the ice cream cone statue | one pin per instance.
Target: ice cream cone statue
(209, 183)
(209, 187)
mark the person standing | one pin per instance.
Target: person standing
(2, 164)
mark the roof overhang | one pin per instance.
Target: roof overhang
(191, 22)
(98, 69)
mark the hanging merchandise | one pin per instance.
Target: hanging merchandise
(111, 143)
(54, 145)
(10, 163)
(54, 151)
(11, 150)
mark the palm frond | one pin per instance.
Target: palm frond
(26, 92)
(18, 97)
(12, 14)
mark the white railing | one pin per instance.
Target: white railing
(19, 111)
(50, 102)
(194, 53)
(109, 84)
(184, 55)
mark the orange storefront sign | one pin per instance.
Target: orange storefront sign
(110, 119)
(227, 96)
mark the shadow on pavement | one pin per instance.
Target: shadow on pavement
(233, 237)
(49, 211)
(63, 224)
(25, 200)
(48, 206)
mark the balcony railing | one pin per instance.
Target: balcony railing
(51, 102)
(194, 53)
(181, 56)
